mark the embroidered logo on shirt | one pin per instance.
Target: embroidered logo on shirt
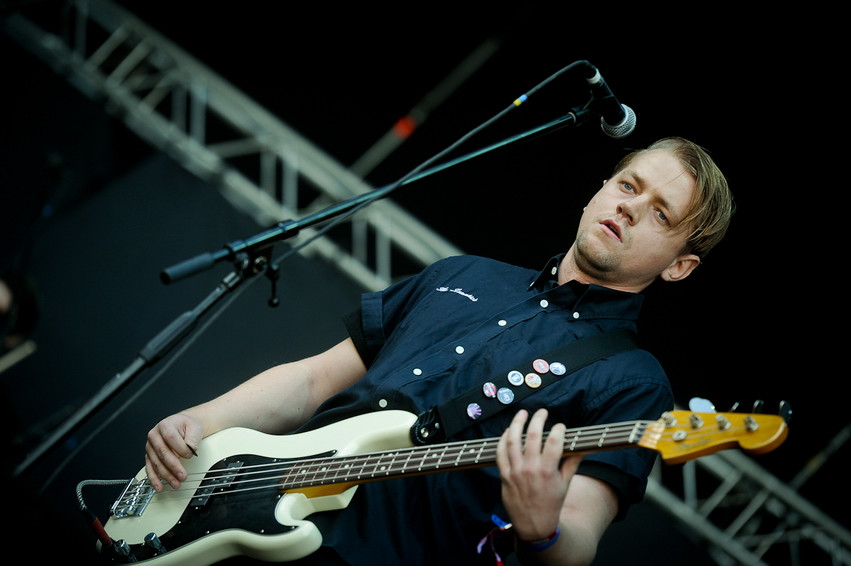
(458, 291)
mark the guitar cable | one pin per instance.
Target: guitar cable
(91, 519)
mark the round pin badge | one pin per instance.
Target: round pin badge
(489, 389)
(515, 377)
(474, 411)
(541, 366)
(558, 368)
(533, 380)
(505, 395)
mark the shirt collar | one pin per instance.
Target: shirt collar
(596, 299)
(547, 278)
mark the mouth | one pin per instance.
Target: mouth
(612, 229)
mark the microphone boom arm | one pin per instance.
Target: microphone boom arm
(290, 228)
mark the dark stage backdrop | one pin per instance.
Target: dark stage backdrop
(94, 215)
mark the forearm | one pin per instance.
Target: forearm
(282, 398)
(571, 546)
(274, 401)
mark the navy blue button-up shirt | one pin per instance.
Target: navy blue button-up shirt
(454, 326)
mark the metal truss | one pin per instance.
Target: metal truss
(184, 109)
(271, 172)
(745, 515)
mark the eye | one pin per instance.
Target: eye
(626, 186)
(662, 217)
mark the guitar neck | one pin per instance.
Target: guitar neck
(444, 457)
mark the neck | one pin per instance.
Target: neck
(570, 270)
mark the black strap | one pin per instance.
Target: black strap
(446, 420)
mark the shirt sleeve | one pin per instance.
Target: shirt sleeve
(632, 398)
(353, 321)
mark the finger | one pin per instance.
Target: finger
(165, 463)
(535, 431)
(510, 443)
(179, 442)
(153, 475)
(554, 445)
(515, 434)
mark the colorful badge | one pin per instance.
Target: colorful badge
(515, 377)
(505, 395)
(533, 380)
(489, 389)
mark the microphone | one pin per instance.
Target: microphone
(616, 119)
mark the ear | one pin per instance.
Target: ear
(680, 268)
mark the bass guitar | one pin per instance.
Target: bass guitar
(249, 493)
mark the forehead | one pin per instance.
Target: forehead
(658, 165)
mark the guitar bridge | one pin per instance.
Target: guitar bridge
(133, 500)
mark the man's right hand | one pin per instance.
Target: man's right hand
(173, 438)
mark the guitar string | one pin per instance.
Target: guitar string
(355, 460)
(306, 472)
(318, 467)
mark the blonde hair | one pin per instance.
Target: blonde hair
(712, 208)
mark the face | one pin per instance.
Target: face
(627, 236)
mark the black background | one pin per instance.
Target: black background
(761, 319)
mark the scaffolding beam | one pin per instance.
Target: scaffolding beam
(184, 109)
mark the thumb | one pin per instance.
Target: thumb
(569, 466)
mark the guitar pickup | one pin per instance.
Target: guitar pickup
(219, 482)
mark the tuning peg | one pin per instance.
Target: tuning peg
(758, 405)
(785, 411)
(700, 405)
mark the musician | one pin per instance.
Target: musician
(457, 325)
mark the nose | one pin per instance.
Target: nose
(629, 210)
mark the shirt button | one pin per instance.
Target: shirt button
(554, 270)
(418, 371)
(575, 315)
(544, 303)
(382, 403)
(459, 349)
(502, 322)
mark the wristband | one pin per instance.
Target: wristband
(540, 544)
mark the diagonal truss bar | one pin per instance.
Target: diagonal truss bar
(184, 109)
(745, 512)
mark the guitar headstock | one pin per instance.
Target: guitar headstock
(680, 436)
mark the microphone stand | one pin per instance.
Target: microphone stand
(290, 228)
(250, 256)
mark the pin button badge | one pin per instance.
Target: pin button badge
(505, 395)
(558, 368)
(474, 411)
(489, 389)
(533, 380)
(541, 366)
(515, 377)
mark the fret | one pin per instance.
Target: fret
(572, 447)
(427, 459)
(461, 450)
(479, 453)
(602, 438)
(407, 461)
(440, 457)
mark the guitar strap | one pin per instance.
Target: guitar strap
(444, 421)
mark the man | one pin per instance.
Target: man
(458, 324)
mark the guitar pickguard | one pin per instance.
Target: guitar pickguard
(242, 507)
(239, 492)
